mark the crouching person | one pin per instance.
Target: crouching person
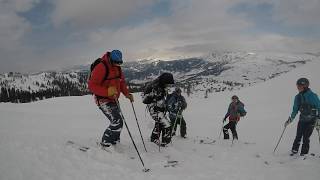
(154, 96)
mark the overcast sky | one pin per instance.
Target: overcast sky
(38, 35)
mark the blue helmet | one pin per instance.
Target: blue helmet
(116, 57)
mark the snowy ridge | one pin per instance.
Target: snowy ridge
(33, 138)
(219, 71)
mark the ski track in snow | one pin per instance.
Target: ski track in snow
(33, 139)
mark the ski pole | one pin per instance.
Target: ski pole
(221, 129)
(180, 123)
(317, 126)
(319, 135)
(159, 132)
(134, 111)
(175, 122)
(134, 144)
(159, 135)
(280, 139)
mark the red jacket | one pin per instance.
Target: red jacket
(98, 86)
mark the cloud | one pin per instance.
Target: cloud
(18, 5)
(193, 29)
(84, 13)
(189, 23)
(13, 29)
(297, 13)
(78, 31)
(294, 13)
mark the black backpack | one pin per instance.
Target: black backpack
(95, 63)
(146, 90)
(98, 61)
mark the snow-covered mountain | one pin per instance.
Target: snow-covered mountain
(33, 138)
(219, 70)
(215, 72)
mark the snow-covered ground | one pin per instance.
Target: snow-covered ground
(33, 138)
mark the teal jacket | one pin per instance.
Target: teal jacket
(309, 98)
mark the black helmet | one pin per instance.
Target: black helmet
(165, 78)
(303, 82)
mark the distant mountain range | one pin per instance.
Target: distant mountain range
(215, 72)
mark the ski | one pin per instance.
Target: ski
(296, 156)
(171, 163)
(85, 148)
(77, 146)
(249, 143)
(309, 156)
(202, 141)
(103, 148)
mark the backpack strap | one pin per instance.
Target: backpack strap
(302, 100)
(107, 70)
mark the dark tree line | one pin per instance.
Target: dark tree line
(57, 88)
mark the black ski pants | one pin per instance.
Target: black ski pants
(304, 131)
(232, 126)
(174, 121)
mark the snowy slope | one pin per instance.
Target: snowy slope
(33, 138)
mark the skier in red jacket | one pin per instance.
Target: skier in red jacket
(106, 82)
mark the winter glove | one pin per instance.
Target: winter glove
(288, 121)
(112, 91)
(130, 97)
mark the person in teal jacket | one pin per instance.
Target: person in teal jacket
(307, 102)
